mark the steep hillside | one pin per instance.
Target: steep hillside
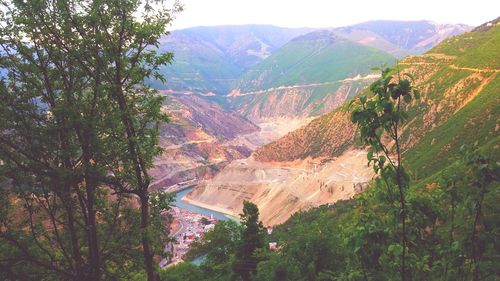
(208, 59)
(316, 57)
(292, 186)
(459, 82)
(309, 76)
(326, 136)
(191, 112)
(298, 100)
(196, 142)
(463, 100)
(401, 37)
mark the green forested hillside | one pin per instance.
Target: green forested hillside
(316, 57)
(211, 59)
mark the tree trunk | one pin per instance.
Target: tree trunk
(148, 256)
(75, 247)
(95, 270)
(402, 200)
(139, 169)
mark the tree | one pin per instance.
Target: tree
(379, 116)
(79, 132)
(183, 271)
(218, 248)
(473, 214)
(251, 239)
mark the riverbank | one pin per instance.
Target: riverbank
(227, 213)
(187, 224)
(186, 227)
(206, 210)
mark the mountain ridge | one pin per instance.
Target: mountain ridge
(196, 142)
(458, 107)
(464, 82)
(211, 59)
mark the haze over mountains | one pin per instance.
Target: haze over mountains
(212, 59)
(459, 83)
(279, 78)
(322, 162)
(260, 153)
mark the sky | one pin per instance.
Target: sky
(331, 13)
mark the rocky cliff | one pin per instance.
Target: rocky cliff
(196, 141)
(281, 189)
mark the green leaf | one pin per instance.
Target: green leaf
(416, 94)
(407, 98)
(404, 85)
(409, 76)
(382, 160)
(362, 99)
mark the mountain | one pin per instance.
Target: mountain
(209, 59)
(459, 83)
(197, 141)
(401, 37)
(458, 80)
(317, 57)
(202, 138)
(316, 72)
(310, 75)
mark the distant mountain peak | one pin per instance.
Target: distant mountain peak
(324, 34)
(215, 58)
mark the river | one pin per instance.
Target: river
(195, 209)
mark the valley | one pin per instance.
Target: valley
(303, 153)
(202, 138)
(197, 141)
(277, 171)
(294, 186)
(281, 88)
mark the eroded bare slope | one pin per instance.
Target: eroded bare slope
(281, 189)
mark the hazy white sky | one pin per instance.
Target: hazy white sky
(331, 13)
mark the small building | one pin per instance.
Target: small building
(269, 230)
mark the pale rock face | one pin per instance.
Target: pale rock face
(202, 138)
(198, 141)
(283, 188)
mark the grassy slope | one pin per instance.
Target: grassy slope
(474, 49)
(316, 60)
(458, 107)
(478, 121)
(200, 68)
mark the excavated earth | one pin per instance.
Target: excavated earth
(283, 188)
